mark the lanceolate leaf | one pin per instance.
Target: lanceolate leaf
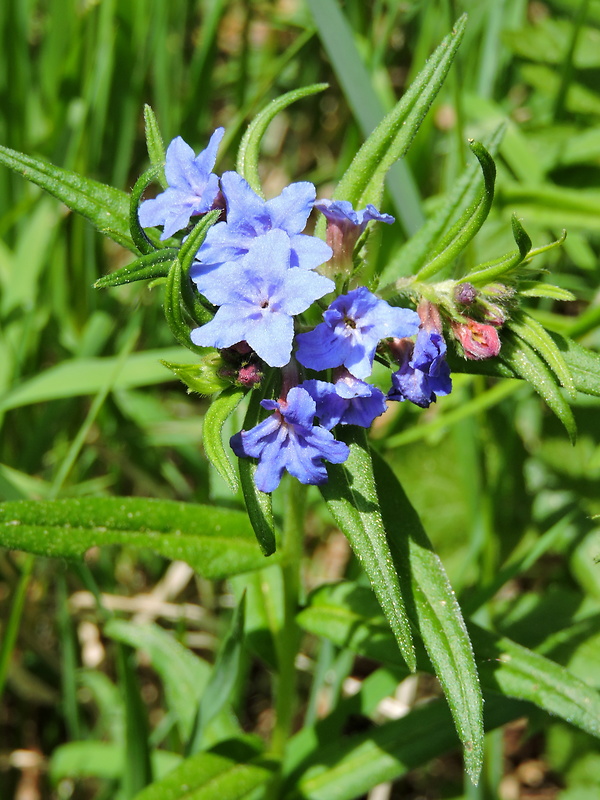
(363, 181)
(183, 674)
(583, 364)
(223, 677)
(526, 363)
(529, 330)
(351, 495)
(106, 208)
(138, 234)
(249, 152)
(216, 542)
(220, 410)
(148, 267)
(459, 236)
(432, 604)
(499, 267)
(411, 256)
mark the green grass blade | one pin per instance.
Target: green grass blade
(338, 40)
(363, 181)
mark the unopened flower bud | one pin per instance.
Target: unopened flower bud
(477, 339)
(465, 293)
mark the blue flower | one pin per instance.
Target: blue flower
(348, 401)
(424, 374)
(344, 215)
(289, 440)
(344, 226)
(249, 217)
(258, 297)
(354, 324)
(193, 188)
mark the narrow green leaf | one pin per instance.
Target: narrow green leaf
(90, 759)
(198, 308)
(154, 144)
(432, 605)
(213, 776)
(223, 677)
(529, 330)
(541, 289)
(352, 498)
(526, 363)
(258, 504)
(106, 208)
(412, 255)
(202, 377)
(249, 152)
(148, 267)
(218, 413)
(583, 364)
(363, 181)
(500, 267)
(459, 236)
(183, 675)
(177, 322)
(216, 542)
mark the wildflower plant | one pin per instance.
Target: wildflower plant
(287, 321)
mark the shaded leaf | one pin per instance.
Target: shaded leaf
(232, 773)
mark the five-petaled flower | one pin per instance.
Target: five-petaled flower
(258, 297)
(289, 440)
(192, 187)
(249, 218)
(353, 325)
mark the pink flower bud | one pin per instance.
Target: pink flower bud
(477, 339)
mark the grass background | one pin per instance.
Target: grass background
(489, 468)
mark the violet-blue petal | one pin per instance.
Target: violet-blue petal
(291, 209)
(424, 373)
(249, 218)
(348, 401)
(192, 187)
(353, 326)
(288, 440)
(343, 213)
(258, 297)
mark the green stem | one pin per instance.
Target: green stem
(289, 636)
(14, 620)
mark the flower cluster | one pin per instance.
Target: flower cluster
(261, 272)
